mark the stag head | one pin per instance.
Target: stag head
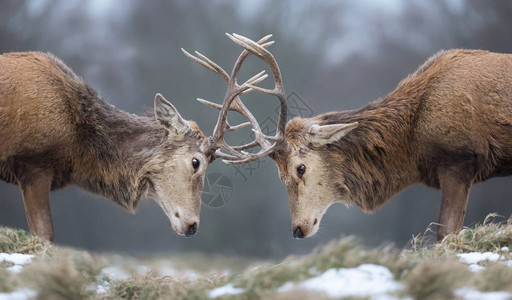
(178, 168)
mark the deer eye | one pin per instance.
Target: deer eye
(195, 163)
(301, 170)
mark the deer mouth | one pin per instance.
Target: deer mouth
(185, 229)
(306, 229)
(184, 224)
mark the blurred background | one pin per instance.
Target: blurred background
(334, 55)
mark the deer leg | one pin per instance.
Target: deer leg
(454, 197)
(36, 197)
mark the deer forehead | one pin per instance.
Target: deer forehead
(313, 162)
(185, 154)
(173, 162)
(199, 135)
(181, 146)
(301, 156)
(296, 132)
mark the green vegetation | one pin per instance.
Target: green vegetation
(426, 271)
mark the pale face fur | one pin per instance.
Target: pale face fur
(311, 193)
(178, 188)
(180, 169)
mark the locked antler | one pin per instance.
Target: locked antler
(233, 102)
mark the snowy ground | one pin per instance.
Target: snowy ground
(475, 259)
(21, 294)
(228, 289)
(367, 280)
(115, 272)
(374, 282)
(17, 259)
(472, 294)
(370, 281)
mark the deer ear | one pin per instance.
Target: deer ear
(169, 117)
(327, 134)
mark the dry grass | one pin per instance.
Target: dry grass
(67, 274)
(427, 271)
(20, 241)
(489, 236)
(497, 277)
(435, 279)
(150, 287)
(263, 281)
(7, 281)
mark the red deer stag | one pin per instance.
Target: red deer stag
(448, 125)
(57, 131)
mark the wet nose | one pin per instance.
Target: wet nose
(191, 230)
(297, 233)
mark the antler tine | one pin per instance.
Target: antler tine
(236, 127)
(256, 78)
(207, 63)
(264, 54)
(246, 146)
(233, 153)
(217, 68)
(209, 103)
(270, 138)
(224, 156)
(249, 157)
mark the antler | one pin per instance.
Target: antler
(233, 102)
(278, 91)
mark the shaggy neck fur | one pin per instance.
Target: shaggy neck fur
(379, 156)
(117, 152)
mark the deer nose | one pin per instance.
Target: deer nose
(191, 231)
(298, 234)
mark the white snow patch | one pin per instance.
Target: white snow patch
(143, 270)
(367, 280)
(20, 294)
(288, 286)
(15, 269)
(115, 273)
(228, 289)
(18, 259)
(472, 294)
(473, 258)
(292, 262)
(168, 270)
(101, 289)
(476, 268)
(476, 257)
